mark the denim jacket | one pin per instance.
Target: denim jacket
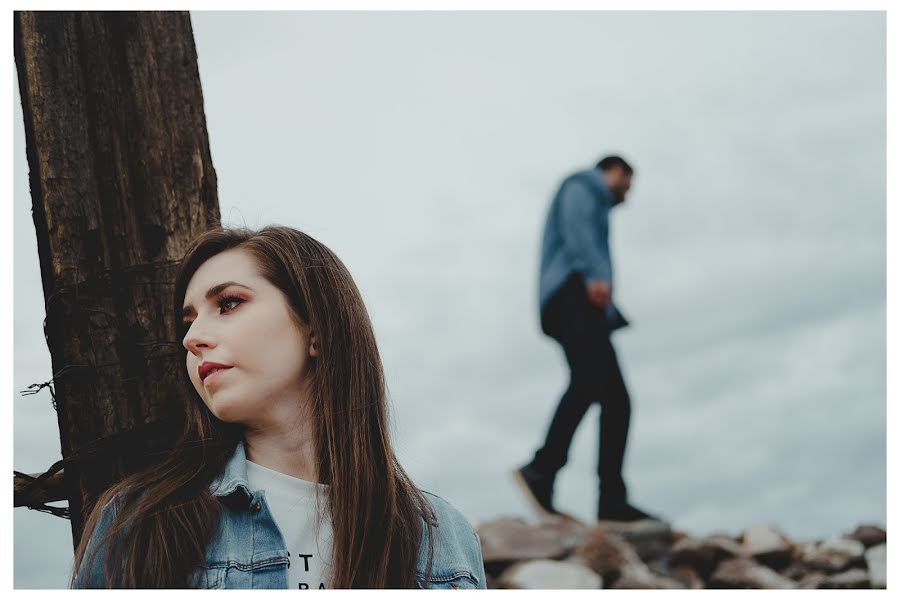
(248, 551)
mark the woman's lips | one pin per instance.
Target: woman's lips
(214, 376)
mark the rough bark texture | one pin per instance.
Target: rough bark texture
(121, 181)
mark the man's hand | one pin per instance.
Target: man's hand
(598, 293)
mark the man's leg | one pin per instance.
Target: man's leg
(615, 417)
(553, 455)
(565, 320)
(580, 329)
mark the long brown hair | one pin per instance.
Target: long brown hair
(376, 511)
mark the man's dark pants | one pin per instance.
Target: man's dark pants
(582, 330)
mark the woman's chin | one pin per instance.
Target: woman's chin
(223, 409)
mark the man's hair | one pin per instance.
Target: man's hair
(615, 161)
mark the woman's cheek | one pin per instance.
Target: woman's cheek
(195, 378)
(190, 372)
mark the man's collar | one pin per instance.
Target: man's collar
(597, 174)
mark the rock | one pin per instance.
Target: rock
(689, 577)
(490, 582)
(831, 556)
(703, 554)
(812, 581)
(637, 576)
(507, 540)
(797, 571)
(617, 562)
(869, 535)
(803, 553)
(743, 572)
(605, 552)
(679, 535)
(650, 538)
(767, 545)
(543, 574)
(876, 560)
(571, 531)
(854, 579)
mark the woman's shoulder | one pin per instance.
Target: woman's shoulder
(90, 572)
(457, 561)
(447, 514)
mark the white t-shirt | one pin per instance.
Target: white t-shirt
(292, 502)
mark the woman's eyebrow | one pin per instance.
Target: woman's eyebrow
(189, 309)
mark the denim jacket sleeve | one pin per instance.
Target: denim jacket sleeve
(458, 561)
(90, 572)
(584, 225)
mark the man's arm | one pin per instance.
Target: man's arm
(583, 221)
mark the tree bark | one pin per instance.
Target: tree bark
(121, 181)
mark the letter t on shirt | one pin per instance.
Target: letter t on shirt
(292, 502)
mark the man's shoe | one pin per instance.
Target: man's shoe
(537, 489)
(624, 512)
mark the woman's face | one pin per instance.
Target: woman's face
(247, 325)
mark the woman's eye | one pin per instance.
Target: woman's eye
(222, 304)
(228, 300)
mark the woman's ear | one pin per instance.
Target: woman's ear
(313, 348)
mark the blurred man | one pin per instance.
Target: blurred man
(577, 310)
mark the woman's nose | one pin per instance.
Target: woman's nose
(196, 339)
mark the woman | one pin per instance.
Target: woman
(284, 475)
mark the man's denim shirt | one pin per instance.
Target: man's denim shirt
(248, 551)
(576, 238)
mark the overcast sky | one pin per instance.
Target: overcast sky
(424, 149)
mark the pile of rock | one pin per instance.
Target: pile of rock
(561, 553)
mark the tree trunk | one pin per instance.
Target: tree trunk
(121, 181)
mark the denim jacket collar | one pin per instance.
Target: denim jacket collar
(233, 477)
